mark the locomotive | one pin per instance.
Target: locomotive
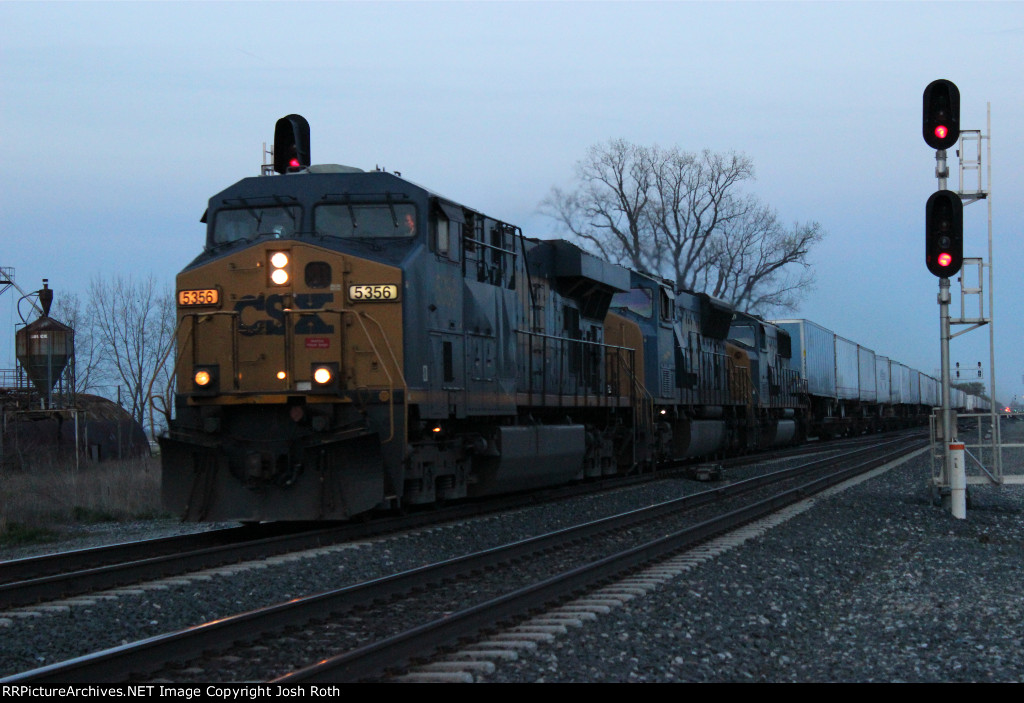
(349, 340)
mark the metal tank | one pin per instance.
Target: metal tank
(45, 347)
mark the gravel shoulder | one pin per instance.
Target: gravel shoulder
(873, 584)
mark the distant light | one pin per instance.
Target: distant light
(945, 259)
(322, 375)
(281, 375)
(941, 131)
(202, 378)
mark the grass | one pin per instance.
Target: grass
(47, 493)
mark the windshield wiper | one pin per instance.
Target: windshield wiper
(391, 207)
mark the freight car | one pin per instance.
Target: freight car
(850, 389)
(348, 340)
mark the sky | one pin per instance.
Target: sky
(119, 120)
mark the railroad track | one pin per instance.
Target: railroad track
(443, 604)
(29, 581)
(39, 579)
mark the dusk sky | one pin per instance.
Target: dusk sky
(119, 120)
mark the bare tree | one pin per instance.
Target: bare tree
(758, 265)
(135, 327)
(681, 215)
(609, 211)
(67, 308)
(694, 199)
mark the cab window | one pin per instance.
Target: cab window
(246, 224)
(365, 221)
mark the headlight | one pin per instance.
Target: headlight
(278, 261)
(206, 379)
(325, 376)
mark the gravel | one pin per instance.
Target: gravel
(873, 584)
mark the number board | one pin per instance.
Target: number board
(373, 293)
(205, 296)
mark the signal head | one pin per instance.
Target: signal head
(941, 123)
(944, 233)
(291, 144)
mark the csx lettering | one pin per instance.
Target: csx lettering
(272, 306)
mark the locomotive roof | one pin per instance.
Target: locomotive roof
(325, 179)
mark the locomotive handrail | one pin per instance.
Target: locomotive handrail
(640, 398)
(398, 368)
(234, 315)
(394, 359)
(565, 342)
(570, 339)
(486, 245)
(174, 377)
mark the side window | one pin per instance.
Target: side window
(637, 300)
(667, 306)
(448, 219)
(442, 235)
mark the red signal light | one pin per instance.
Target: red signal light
(941, 131)
(944, 233)
(291, 144)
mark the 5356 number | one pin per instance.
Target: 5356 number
(373, 292)
(205, 296)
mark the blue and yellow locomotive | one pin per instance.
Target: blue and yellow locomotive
(348, 339)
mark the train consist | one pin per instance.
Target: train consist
(350, 340)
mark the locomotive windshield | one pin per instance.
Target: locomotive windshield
(364, 221)
(245, 224)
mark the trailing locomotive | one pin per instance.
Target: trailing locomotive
(348, 340)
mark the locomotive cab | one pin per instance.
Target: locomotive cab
(291, 348)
